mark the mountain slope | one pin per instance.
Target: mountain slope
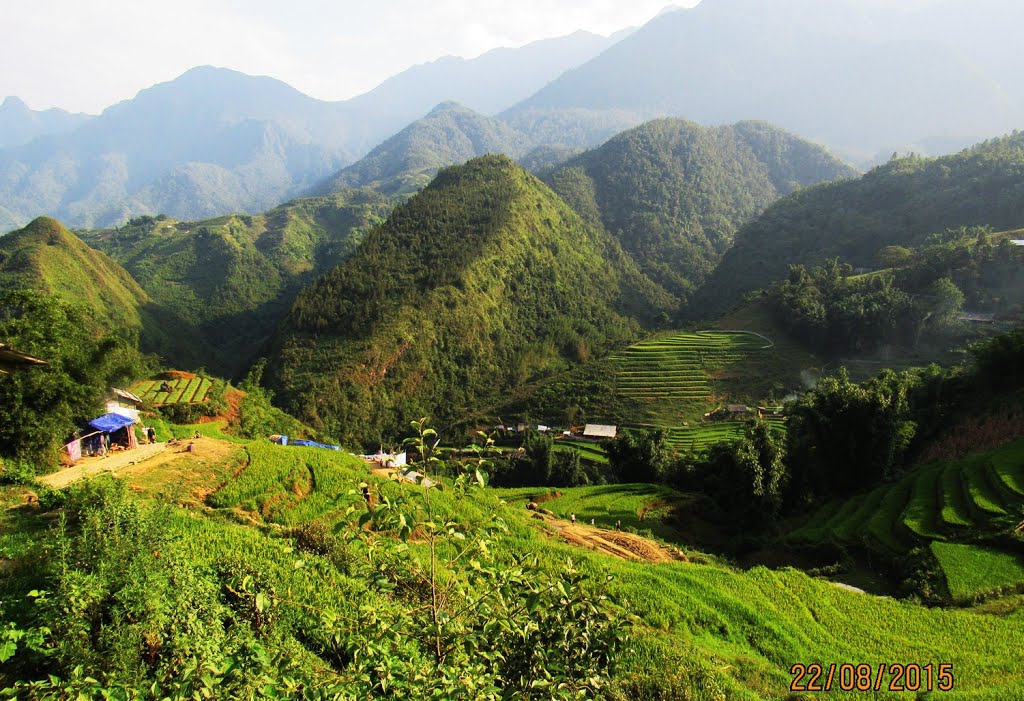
(861, 78)
(207, 142)
(673, 193)
(482, 281)
(46, 257)
(19, 124)
(900, 203)
(221, 286)
(450, 134)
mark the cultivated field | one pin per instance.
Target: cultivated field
(679, 377)
(977, 497)
(752, 624)
(183, 391)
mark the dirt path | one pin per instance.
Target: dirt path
(625, 546)
(88, 467)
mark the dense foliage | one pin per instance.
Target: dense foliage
(537, 463)
(673, 193)
(41, 407)
(902, 203)
(482, 282)
(833, 312)
(746, 478)
(220, 287)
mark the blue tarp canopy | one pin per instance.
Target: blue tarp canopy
(108, 423)
(314, 444)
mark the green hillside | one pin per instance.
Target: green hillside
(900, 203)
(674, 193)
(274, 568)
(964, 509)
(46, 257)
(449, 135)
(220, 287)
(484, 281)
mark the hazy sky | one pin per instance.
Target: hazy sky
(84, 55)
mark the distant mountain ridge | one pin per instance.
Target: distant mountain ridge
(215, 141)
(864, 78)
(848, 75)
(450, 134)
(487, 84)
(210, 142)
(20, 125)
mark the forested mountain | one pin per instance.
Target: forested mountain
(487, 84)
(449, 135)
(862, 78)
(211, 141)
(673, 193)
(482, 281)
(220, 287)
(45, 257)
(19, 124)
(900, 203)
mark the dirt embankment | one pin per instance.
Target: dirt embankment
(625, 546)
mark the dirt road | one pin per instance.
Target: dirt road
(87, 467)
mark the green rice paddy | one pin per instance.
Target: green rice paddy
(939, 505)
(183, 391)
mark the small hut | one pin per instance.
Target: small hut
(108, 432)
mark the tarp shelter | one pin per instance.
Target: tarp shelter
(108, 423)
(112, 423)
(313, 444)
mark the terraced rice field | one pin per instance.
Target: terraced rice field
(703, 436)
(676, 368)
(674, 377)
(183, 391)
(943, 501)
(940, 503)
(588, 451)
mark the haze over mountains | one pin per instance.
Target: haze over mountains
(19, 124)
(864, 79)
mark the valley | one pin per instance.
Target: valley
(554, 373)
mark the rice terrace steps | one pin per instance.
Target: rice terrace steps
(677, 377)
(973, 503)
(184, 389)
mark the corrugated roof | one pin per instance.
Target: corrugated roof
(11, 359)
(599, 431)
(124, 394)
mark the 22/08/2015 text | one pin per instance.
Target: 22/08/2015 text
(865, 677)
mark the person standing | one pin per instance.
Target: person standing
(573, 518)
(151, 434)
